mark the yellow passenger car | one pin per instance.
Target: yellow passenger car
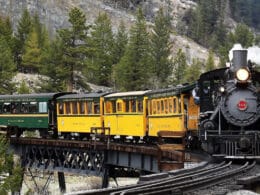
(125, 114)
(78, 113)
(172, 113)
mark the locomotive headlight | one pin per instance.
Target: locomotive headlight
(221, 89)
(242, 74)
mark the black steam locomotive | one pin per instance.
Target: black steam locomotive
(230, 108)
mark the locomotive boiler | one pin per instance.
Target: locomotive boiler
(230, 108)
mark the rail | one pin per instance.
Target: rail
(179, 182)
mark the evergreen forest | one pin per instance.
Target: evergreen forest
(124, 60)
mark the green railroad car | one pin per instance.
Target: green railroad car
(19, 113)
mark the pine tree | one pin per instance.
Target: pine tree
(121, 40)
(210, 62)
(12, 182)
(23, 88)
(40, 30)
(23, 29)
(101, 45)
(161, 49)
(73, 45)
(7, 68)
(54, 71)
(179, 68)
(205, 23)
(120, 43)
(134, 69)
(242, 35)
(31, 58)
(6, 31)
(193, 72)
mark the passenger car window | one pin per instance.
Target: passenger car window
(67, 107)
(43, 107)
(140, 106)
(127, 106)
(24, 107)
(170, 105)
(119, 107)
(174, 105)
(1, 108)
(61, 108)
(6, 107)
(133, 105)
(154, 107)
(89, 107)
(33, 107)
(82, 107)
(96, 108)
(15, 107)
(74, 108)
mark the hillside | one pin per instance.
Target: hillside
(54, 14)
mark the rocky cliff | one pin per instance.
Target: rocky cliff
(54, 13)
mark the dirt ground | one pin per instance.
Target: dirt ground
(38, 182)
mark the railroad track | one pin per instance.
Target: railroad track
(182, 182)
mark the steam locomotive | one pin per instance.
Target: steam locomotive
(229, 122)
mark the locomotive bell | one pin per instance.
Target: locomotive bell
(239, 59)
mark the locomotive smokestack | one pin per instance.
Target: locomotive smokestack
(239, 59)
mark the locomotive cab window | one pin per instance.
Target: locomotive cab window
(206, 88)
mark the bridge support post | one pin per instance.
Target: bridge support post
(62, 184)
(105, 179)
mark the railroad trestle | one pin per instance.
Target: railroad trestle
(91, 157)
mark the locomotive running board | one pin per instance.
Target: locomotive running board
(235, 157)
(242, 157)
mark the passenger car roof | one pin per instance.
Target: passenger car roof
(82, 96)
(172, 91)
(29, 97)
(127, 94)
